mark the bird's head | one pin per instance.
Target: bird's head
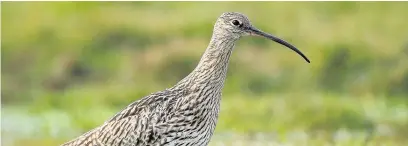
(236, 25)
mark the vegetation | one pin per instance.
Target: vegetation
(69, 66)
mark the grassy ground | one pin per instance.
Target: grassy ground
(312, 120)
(68, 66)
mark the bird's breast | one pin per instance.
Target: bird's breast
(197, 119)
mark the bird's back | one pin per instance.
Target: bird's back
(167, 117)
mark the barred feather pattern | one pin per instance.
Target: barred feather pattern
(183, 115)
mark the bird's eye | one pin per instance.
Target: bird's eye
(236, 23)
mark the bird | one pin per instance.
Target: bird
(185, 114)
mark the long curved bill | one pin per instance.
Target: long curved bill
(256, 32)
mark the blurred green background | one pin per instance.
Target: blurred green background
(69, 66)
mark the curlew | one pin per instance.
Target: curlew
(187, 113)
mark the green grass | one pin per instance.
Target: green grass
(68, 66)
(287, 119)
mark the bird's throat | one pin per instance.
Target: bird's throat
(213, 65)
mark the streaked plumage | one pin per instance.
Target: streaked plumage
(185, 114)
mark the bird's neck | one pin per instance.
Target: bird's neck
(213, 66)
